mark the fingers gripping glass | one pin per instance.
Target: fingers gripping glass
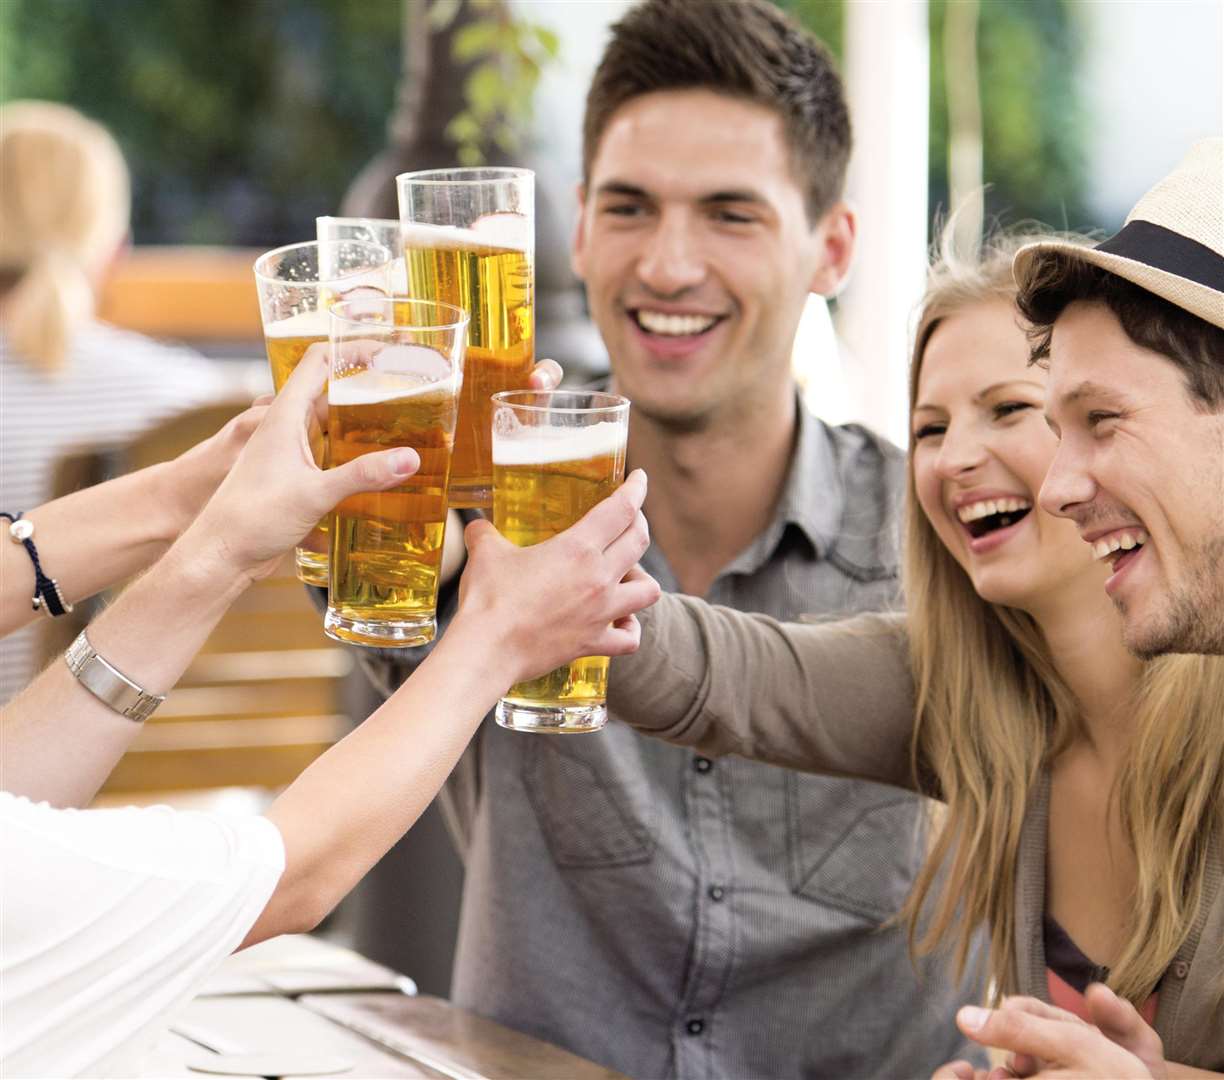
(556, 453)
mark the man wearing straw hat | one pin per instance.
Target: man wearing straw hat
(1133, 333)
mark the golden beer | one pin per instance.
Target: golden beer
(288, 339)
(386, 548)
(543, 482)
(494, 284)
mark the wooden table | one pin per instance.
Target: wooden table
(298, 1000)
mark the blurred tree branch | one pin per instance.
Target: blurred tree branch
(965, 194)
(504, 55)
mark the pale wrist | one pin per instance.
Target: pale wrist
(475, 639)
(169, 514)
(200, 563)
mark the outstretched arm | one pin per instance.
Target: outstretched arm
(835, 698)
(101, 535)
(522, 611)
(61, 742)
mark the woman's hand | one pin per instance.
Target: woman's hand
(541, 606)
(1048, 1042)
(275, 493)
(192, 478)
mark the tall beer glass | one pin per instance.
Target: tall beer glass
(469, 240)
(296, 286)
(396, 370)
(556, 453)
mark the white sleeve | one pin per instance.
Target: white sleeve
(110, 919)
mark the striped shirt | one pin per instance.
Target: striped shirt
(114, 386)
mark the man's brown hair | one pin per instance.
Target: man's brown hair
(745, 49)
(1055, 279)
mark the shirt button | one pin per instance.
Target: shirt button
(716, 892)
(1181, 969)
(703, 764)
(695, 1027)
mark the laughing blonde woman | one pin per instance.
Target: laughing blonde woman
(1083, 789)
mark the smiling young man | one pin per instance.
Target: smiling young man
(1133, 333)
(659, 912)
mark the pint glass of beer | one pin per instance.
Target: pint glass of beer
(469, 240)
(296, 286)
(556, 453)
(396, 370)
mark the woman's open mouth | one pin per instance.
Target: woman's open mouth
(990, 515)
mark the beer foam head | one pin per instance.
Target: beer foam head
(490, 232)
(519, 444)
(312, 324)
(393, 371)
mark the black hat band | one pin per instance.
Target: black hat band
(1164, 249)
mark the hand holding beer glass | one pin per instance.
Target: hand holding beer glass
(469, 240)
(296, 286)
(396, 369)
(556, 454)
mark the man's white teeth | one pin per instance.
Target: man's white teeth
(1119, 541)
(977, 510)
(656, 322)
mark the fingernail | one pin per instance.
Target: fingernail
(972, 1018)
(404, 461)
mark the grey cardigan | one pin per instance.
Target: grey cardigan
(838, 698)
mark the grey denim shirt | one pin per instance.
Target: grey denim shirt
(672, 916)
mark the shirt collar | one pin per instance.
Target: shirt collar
(814, 496)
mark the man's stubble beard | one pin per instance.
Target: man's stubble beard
(1193, 621)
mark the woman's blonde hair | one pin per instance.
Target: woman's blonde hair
(65, 204)
(992, 710)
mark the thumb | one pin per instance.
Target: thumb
(371, 472)
(1110, 1013)
(1120, 1022)
(478, 532)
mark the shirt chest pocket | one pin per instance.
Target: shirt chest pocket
(592, 798)
(853, 845)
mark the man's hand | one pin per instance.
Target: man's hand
(546, 375)
(1051, 1043)
(573, 595)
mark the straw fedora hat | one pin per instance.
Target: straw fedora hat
(1172, 243)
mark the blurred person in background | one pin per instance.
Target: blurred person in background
(112, 918)
(67, 381)
(638, 904)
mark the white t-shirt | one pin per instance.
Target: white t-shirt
(110, 920)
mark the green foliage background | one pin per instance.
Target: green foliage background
(1033, 120)
(241, 120)
(244, 119)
